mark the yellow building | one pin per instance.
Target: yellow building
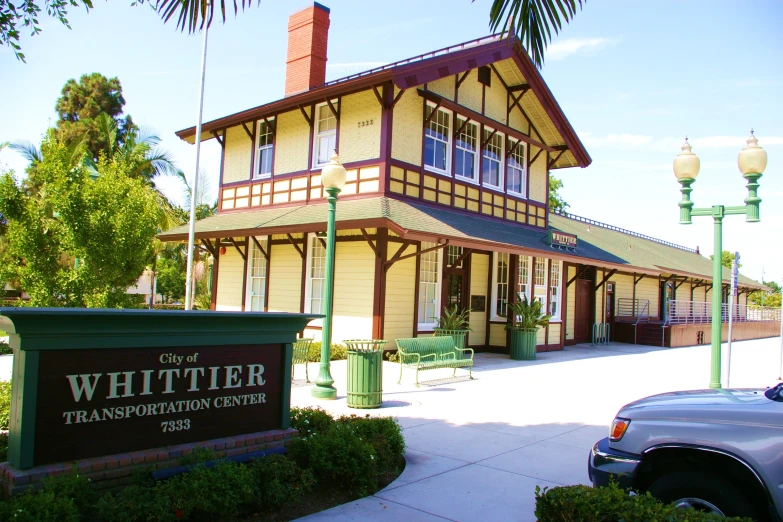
(446, 202)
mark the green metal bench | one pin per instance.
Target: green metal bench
(301, 355)
(426, 353)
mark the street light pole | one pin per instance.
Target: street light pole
(333, 180)
(752, 161)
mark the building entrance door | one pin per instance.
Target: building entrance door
(455, 280)
(582, 320)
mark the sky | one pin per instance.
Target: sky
(633, 78)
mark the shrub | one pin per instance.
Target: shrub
(197, 456)
(215, 493)
(136, 503)
(3, 447)
(391, 356)
(5, 404)
(279, 481)
(338, 352)
(5, 348)
(338, 457)
(310, 420)
(385, 436)
(45, 506)
(75, 487)
(586, 504)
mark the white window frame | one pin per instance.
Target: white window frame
(476, 152)
(268, 147)
(529, 281)
(431, 324)
(494, 304)
(553, 262)
(501, 162)
(545, 299)
(325, 134)
(311, 238)
(449, 137)
(523, 147)
(264, 240)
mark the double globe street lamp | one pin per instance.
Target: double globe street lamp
(333, 180)
(752, 161)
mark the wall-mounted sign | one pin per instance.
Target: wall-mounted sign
(101, 402)
(478, 303)
(561, 239)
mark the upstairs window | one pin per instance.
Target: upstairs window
(516, 173)
(436, 140)
(465, 164)
(325, 134)
(492, 159)
(265, 150)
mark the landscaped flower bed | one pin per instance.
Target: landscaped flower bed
(335, 460)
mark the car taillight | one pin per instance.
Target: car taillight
(618, 428)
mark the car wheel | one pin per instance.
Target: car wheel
(704, 492)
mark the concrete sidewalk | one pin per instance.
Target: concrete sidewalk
(476, 450)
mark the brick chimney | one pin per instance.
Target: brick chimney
(308, 33)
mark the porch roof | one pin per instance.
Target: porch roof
(424, 222)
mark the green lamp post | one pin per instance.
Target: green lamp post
(752, 161)
(333, 181)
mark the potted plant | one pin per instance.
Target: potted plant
(454, 323)
(526, 319)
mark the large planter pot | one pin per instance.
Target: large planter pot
(459, 336)
(523, 344)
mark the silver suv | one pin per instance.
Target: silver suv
(718, 451)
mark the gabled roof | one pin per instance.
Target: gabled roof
(511, 63)
(601, 245)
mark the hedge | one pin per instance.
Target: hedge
(609, 504)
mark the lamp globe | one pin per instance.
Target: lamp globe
(686, 164)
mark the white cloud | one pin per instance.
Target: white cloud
(354, 65)
(641, 141)
(562, 49)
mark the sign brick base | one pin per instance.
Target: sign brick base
(112, 471)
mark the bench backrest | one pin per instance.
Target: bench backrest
(302, 350)
(427, 345)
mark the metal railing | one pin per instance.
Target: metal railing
(693, 312)
(644, 315)
(632, 310)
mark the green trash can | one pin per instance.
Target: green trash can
(365, 373)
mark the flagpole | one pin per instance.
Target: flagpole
(194, 186)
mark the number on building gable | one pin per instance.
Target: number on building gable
(365, 123)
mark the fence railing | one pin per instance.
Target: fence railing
(633, 310)
(691, 312)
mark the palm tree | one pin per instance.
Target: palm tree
(191, 14)
(533, 21)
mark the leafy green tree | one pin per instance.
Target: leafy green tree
(190, 15)
(171, 278)
(78, 240)
(726, 259)
(533, 21)
(556, 202)
(763, 298)
(80, 107)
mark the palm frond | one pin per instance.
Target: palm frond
(535, 22)
(29, 151)
(192, 15)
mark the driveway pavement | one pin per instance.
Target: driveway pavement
(476, 450)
